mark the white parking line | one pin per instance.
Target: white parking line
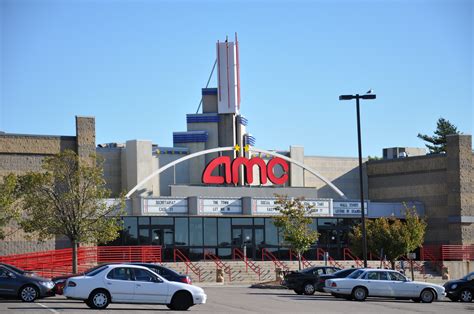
(52, 310)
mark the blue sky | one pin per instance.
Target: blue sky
(138, 67)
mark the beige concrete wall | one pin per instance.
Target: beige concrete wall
(458, 269)
(343, 172)
(112, 169)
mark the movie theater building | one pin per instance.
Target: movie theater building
(214, 189)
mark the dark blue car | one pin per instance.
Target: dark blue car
(26, 286)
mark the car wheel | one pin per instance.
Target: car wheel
(359, 293)
(29, 293)
(181, 301)
(308, 288)
(466, 295)
(299, 292)
(98, 299)
(427, 296)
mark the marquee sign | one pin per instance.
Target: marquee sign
(208, 206)
(231, 169)
(347, 208)
(268, 206)
(165, 206)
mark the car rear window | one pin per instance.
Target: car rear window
(356, 274)
(95, 271)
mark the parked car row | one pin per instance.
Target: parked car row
(105, 284)
(359, 283)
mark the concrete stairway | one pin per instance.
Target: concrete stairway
(241, 274)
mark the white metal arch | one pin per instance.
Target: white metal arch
(230, 148)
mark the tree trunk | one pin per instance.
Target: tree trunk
(393, 264)
(74, 256)
(299, 260)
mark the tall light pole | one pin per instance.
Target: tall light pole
(368, 95)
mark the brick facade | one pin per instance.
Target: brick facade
(20, 153)
(442, 182)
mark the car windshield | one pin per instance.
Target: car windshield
(355, 274)
(469, 277)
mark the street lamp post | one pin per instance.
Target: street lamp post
(368, 95)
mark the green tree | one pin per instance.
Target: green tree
(8, 202)
(294, 224)
(438, 140)
(68, 199)
(394, 236)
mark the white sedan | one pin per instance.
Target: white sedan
(382, 283)
(122, 283)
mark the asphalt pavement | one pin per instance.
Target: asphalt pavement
(239, 299)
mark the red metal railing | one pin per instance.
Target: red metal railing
(457, 252)
(320, 254)
(349, 255)
(304, 261)
(219, 263)
(178, 255)
(238, 254)
(266, 253)
(59, 262)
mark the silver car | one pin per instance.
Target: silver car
(383, 283)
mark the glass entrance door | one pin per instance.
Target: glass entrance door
(249, 239)
(163, 236)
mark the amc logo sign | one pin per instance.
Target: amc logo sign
(232, 170)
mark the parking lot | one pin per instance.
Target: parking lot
(245, 300)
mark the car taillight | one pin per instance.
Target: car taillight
(186, 280)
(71, 284)
(333, 284)
(322, 280)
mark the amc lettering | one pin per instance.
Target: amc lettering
(232, 170)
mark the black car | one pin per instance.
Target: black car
(166, 273)
(17, 283)
(461, 289)
(339, 274)
(304, 281)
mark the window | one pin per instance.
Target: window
(242, 221)
(3, 273)
(95, 271)
(210, 231)
(259, 221)
(356, 274)
(195, 231)
(161, 220)
(330, 270)
(372, 275)
(181, 231)
(223, 236)
(144, 221)
(396, 276)
(383, 276)
(144, 236)
(318, 271)
(271, 232)
(120, 273)
(143, 275)
(130, 232)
